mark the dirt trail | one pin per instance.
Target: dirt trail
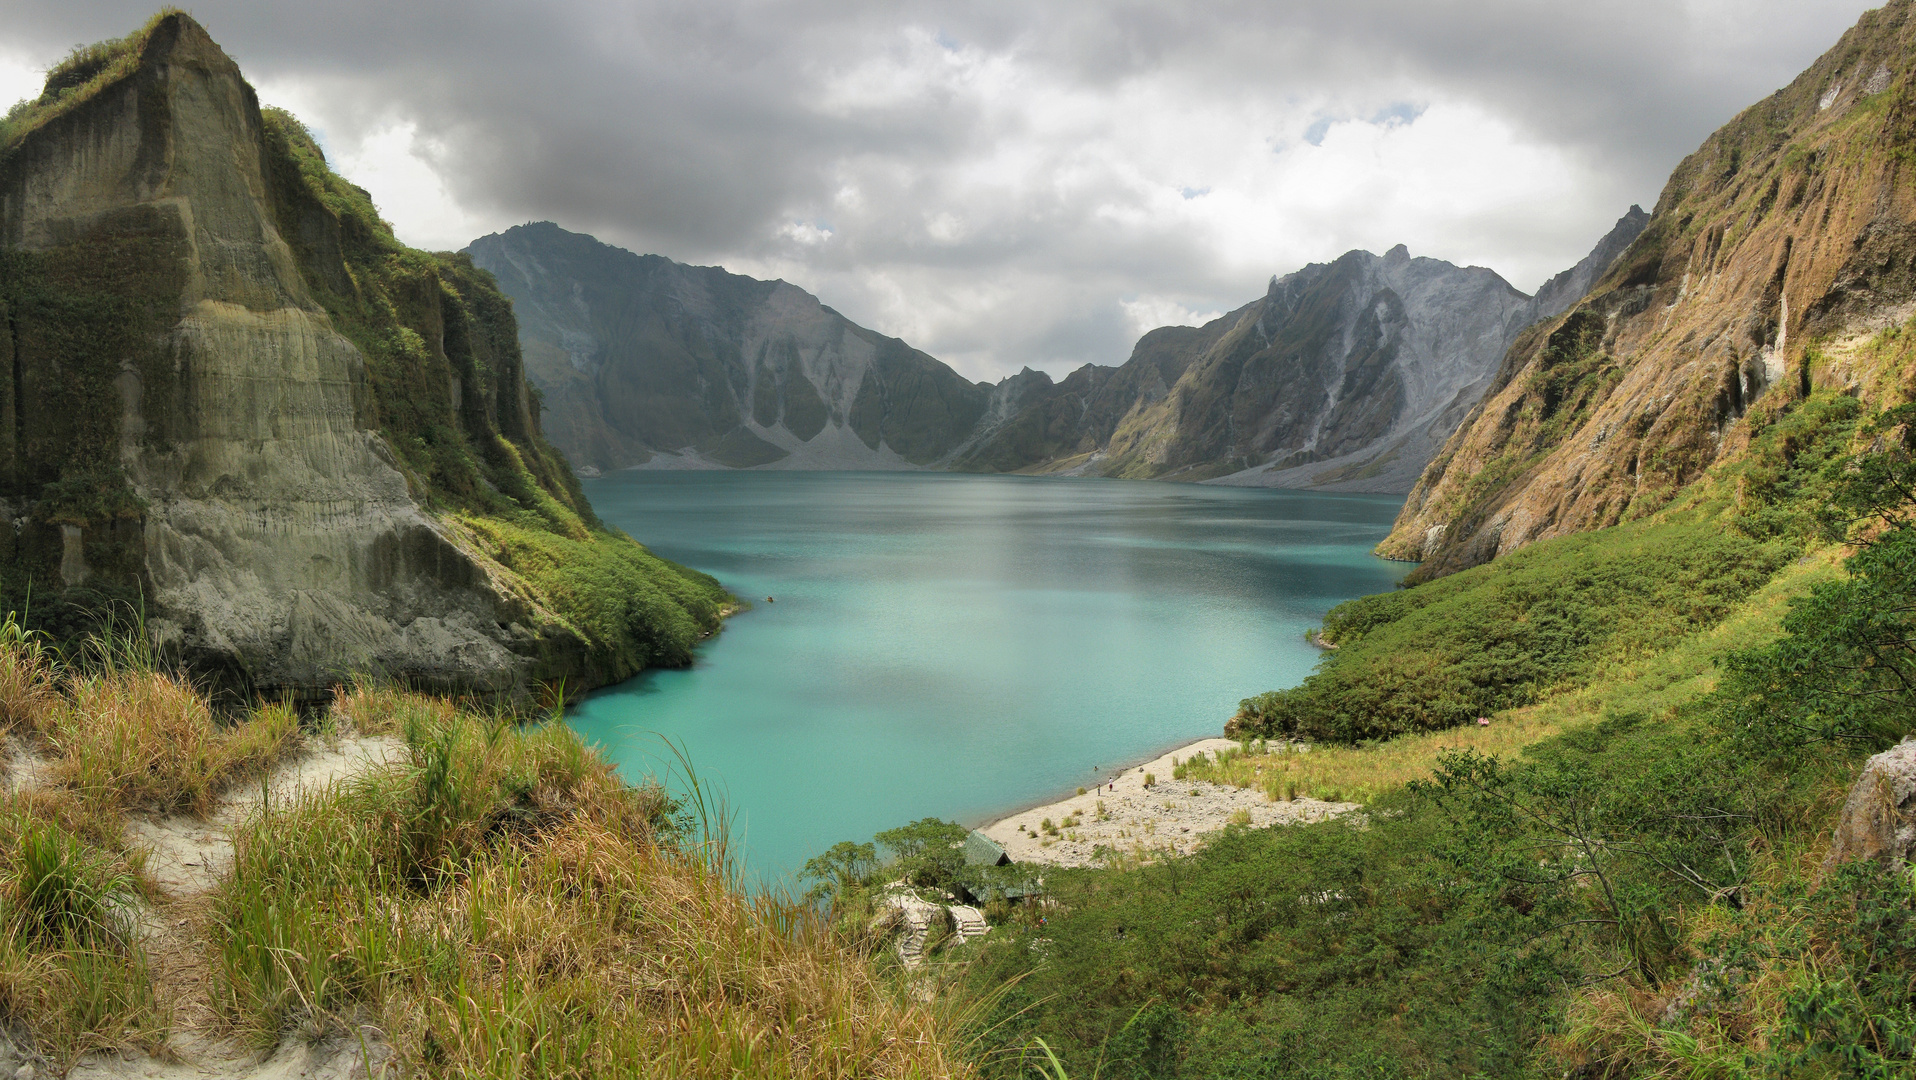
(186, 857)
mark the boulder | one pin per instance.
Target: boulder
(1879, 818)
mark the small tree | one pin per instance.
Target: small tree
(843, 868)
(930, 853)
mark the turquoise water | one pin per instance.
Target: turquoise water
(963, 646)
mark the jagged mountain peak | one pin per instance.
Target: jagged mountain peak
(1345, 374)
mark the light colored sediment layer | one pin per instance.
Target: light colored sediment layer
(1169, 817)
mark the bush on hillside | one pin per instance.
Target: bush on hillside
(1508, 633)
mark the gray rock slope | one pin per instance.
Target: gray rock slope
(643, 360)
(186, 424)
(1347, 375)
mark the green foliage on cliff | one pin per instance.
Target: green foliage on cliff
(75, 79)
(1544, 618)
(1510, 632)
(637, 610)
(449, 392)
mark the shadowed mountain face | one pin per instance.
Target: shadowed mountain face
(640, 356)
(229, 396)
(1344, 376)
(1777, 252)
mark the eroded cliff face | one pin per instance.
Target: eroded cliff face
(640, 356)
(184, 421)
(1775, 248)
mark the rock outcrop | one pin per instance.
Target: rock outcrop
(1776, 249)
(1879, 817)
(228, 393)
(1347, 375)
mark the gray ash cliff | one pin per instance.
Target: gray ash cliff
(1775, 254)
(1344, 376)
(189, 414)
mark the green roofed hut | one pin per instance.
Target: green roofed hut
(982, 850)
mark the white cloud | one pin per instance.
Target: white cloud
(20, 77)
(998, 182)
(806, 233)
(403, 170)
(1146, 313)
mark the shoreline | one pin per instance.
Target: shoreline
(1179, 750)
(1123, 816)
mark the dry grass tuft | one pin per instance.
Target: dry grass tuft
(375, 709)
(29, 679)
(148, 740)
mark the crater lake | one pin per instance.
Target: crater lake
(962, 646)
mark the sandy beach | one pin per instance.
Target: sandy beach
(1122, 814)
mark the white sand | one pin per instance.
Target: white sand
(1173, 816)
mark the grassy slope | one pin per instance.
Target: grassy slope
(1556, 615)
(1458, 928)
(498, 904)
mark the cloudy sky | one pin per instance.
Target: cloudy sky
(1003, 183)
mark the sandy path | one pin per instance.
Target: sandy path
(186, 855)
(1172, 816)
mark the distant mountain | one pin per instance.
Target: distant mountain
(1347, 375)
(641, 357)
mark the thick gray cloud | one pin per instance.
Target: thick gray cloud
(1006, 183)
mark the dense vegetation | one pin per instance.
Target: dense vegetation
(1635, 895)
(1541, 620)
(1513, 631)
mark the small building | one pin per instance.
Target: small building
(982, 850)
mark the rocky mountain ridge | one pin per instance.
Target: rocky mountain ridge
(1345, 376)
(231, 398)
(1775, 253)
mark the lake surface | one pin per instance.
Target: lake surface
(964, 646)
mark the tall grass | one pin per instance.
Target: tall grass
(71, 977)
(29, 677)
(501, 905)
(148, 740)
(498, 903)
